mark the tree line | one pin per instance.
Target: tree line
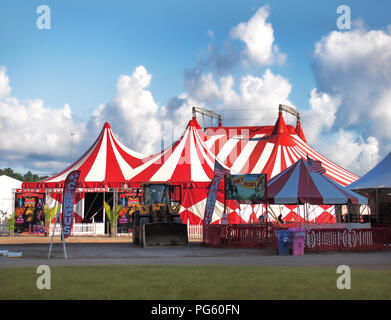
(27, 177)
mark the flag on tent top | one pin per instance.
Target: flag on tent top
(315, 165)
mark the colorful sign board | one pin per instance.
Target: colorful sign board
(246, 188)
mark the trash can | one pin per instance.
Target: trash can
(298, 235)
(284, 241)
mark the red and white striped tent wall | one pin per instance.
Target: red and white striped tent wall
(189, 163)
(270, 150)
(107, 164)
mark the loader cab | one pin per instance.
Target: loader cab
(175, 194)
(156, 193)
(161, 193)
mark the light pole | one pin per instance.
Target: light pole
(72, 134)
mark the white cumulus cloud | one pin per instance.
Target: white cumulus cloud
(253, 93)
(5, 88)
(37, 137)
(353, 152)
(321, 115)
(355, 66)
(258, 36)
(32, 133)
(133, 112)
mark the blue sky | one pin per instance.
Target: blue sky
(91, 43)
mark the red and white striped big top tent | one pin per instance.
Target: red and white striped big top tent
(270, 150)
(187, 162)
(107, 164)
(190, 163)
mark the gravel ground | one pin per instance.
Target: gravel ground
(103, 250)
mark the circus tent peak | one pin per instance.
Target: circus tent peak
(280, 126)
(107, 163)
(194, 122)
(268, 149)
(186, 160)
(299, 131)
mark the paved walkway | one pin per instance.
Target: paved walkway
(120, 251)
(26, 239)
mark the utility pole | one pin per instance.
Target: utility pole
(72, 134)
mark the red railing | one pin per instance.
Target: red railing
(239, 236)
(253, 236)
(387, 227)
(214, 235)
(265, 236)
(344, 239)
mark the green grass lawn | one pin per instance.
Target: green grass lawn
(193, 282)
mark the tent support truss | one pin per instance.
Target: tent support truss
(208, 113)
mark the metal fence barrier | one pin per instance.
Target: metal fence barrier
(265, 236)
(78, 229)
(194, 232)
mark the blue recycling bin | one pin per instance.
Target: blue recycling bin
(284, 241)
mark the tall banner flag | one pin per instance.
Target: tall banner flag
(315, 165)
(68, 200)
(219, 173)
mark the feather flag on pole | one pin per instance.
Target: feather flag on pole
(66, 220)
(68, 200)
(219, 173)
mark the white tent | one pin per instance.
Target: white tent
(378, 177)
(7, 184)
(376, 186)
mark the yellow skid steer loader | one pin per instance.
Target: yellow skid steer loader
(156, 221)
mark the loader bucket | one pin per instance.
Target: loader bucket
(165, 234)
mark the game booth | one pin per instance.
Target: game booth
(29, 209)
(129, 200)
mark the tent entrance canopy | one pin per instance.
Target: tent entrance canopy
(93, 205)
